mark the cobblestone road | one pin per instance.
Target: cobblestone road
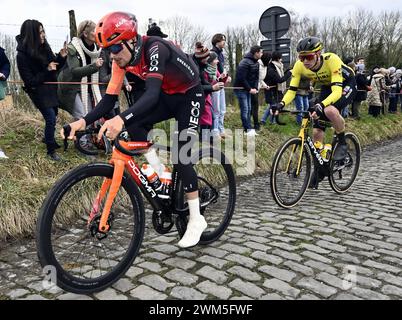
(309, 252)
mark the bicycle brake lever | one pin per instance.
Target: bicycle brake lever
(67, 130)
(108, 145)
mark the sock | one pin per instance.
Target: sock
(341, 137)
(195, 227)
(154, 161)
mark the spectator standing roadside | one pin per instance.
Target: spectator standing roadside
(262, 73)
(4, 73)
(83, 64)
(362, 88)
(247, 74)
(376, 97)
(218, 97)
(207, 64)
(398, 73)
(301, 99)
(276, 80)
(37, 64)
(395, 84)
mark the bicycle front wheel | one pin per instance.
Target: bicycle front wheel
(290, 173)
(217, 192)
(343, 173)
(86, 261)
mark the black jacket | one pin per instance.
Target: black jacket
(272, 79)
(362, 84)
(4, 64)
(34, 73)
(221, 58)
(247, 73)
(206, 86)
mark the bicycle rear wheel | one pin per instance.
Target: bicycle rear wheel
(217, 192)
(343, 173)
(288, 187)
(84, 261)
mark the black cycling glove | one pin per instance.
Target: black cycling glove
(318, 109)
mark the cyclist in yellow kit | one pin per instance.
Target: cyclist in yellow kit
(338, 88)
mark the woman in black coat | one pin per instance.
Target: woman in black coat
(37, 64)
(276, 81)
(362, 88)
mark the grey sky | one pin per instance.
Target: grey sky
(215, 16)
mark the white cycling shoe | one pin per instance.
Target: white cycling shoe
(195, 228)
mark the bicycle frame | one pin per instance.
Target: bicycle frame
(308, 142)
(121, 161)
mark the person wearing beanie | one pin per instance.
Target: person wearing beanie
(201, 53)
(207, 63)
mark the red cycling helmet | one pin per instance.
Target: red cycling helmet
(116, 27)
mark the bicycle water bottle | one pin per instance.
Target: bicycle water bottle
(326, 151)
(152, 176)
(166, 180)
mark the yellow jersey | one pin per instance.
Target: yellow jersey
(333, 72)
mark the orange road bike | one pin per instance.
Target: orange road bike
(292, 165)
(92, 222)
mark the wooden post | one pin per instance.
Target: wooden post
(73, 24)
(239, 53)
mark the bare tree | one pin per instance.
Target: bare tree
(183, 33)
(390, 29)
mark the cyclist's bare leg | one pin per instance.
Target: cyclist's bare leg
(338, 123)
(196, 223)
(192, 195)
(318, 135)
(336, 119)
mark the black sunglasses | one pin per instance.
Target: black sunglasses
(116, 48)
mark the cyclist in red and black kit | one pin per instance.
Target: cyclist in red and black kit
(172, 90)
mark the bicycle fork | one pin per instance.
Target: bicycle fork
(302, 137)
(113, 186)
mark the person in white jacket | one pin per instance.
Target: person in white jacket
(263, 65)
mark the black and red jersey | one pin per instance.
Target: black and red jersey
(163, 60)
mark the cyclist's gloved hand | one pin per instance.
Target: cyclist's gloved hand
(318, 109)
(74, 126)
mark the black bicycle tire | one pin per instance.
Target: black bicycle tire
(273, 185)
(331, 180)
(43, 231)
(209, 237)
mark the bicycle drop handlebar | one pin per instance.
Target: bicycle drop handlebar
(79, 134)
(307, 114)
(116, 142)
